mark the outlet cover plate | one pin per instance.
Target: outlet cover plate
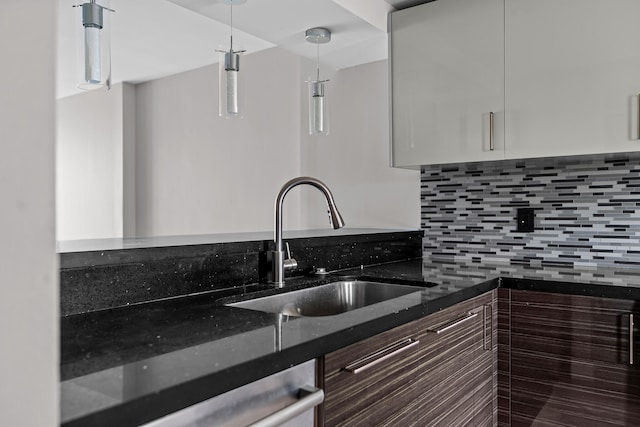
(525, 220)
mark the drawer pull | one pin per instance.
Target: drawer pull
(310, 397)
(452, 323)
(373, 359)
(631, 339)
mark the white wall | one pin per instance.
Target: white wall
(129, 161)
(192, 172)
(198, 173)
(89, 173)
(29, 306)
(353, 159)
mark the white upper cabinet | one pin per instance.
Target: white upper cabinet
(572, 77)
(447, 77)
(562, 78)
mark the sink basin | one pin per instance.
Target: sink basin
(328, 300)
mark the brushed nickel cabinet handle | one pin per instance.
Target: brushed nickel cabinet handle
(452, 323)
(638, 117)
(309, 397)
(492, 146)
(631, 339)
(484, 327)
(381, 355)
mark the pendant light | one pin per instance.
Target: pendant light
(318, 106)
(230, 80)
(94, 45)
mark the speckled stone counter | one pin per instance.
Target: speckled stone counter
(133, 271)
(130, 365)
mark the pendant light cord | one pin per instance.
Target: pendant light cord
(318, 61)
(231, 24)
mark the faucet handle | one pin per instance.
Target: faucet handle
(288, 250)
(289, 263)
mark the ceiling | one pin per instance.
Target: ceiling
(403, 4)
(156, 38)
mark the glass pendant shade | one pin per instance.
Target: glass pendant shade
(318, 109)
(93, 45)
(318, 105)
(230, 85)
(230, 81)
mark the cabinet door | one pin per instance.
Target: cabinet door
(447, 76)
(485, 412)
(371, 383)
(456, 384)
(570, 362)
(572, 77)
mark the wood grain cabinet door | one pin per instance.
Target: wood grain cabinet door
(457, 382)
(570, 360)
(371, 383)
(436, 371)
(485, 412)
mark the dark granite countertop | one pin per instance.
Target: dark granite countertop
(130, 365)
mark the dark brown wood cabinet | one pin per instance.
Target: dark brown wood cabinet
(505, 358)
(458, 383)
(566, 360)
(486, 374)
(439, 370)
(383, 391)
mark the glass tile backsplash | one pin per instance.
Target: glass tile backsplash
(586, 211)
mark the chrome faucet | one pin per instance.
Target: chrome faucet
(278, 261)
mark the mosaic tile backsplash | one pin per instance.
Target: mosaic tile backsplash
(587, 211)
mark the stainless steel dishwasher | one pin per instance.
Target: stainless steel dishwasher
(287, 398)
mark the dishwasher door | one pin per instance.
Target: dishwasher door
(287, 398)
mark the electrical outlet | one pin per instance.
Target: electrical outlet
(525, 219)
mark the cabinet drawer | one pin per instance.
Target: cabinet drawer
(372, 382)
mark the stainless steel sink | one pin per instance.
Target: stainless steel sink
(328, 300)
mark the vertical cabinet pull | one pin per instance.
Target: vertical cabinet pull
(638, 117)
(492, 145)
(484, 327)
(631, 339)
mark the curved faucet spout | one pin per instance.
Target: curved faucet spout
(334, 217)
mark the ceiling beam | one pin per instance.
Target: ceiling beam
(372, 11)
